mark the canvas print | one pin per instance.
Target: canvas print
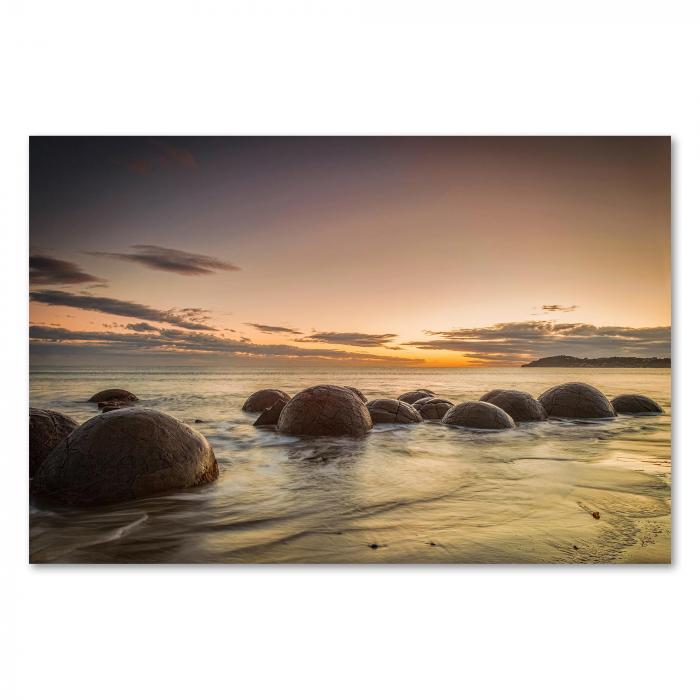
(369, 350)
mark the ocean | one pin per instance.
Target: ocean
(424, 493)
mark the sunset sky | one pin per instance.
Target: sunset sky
(377, 251)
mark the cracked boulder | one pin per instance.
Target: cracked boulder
(325, 410)
(576, 400)
(392, 411)
(125, 454)
(635, 403)
(359, 394)
(46, 429)
(479, 415)
(113, 396)
(270, 416)
(413, 396)
(263, 399)
(519, 405)
(432, 408)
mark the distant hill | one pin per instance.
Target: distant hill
(569, 361)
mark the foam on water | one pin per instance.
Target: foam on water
(422, 493)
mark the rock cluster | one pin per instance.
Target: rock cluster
(519, 405)
(263, 399)
(125, 454)
(479, 415)
(576, 400)
(46, 430)
(325, 410)
(392, 411)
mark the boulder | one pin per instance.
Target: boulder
(325, 410)
(479, 415)
(127, 453)
(271, 415)
(113, 395)
(519, 405)
(413, 396)
(576, 400)
(392, 411)
(107, 407)
(635, 403)
(46, 429)
(433, 408)
(265, 398)
(360, 395)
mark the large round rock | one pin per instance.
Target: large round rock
(576, 400)
(263, 399)
(433, 408)
(325, 410)
(46, 429)
(519, 405)
(635, 403)
(413, 396)
(479, 415)
(124, 454)
(113, 395)
(392, 411)
(359, 394)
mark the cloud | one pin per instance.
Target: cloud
(274, 329)
(171, 260)
(117, 307)
(358, 339)
(172, 340)
(141, 327)
(553, 308)
(511, 343)
(46, 270)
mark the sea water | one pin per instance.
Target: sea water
(424, 493)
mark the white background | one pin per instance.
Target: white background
(348, 68)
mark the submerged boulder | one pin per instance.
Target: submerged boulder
(635, 403)
(265, 398)
(519, 405)
(480, 415)
(576, 400)
(392, 411)
(125, 454)
(271, 415)
(413, 396)
(46, 429)
(113, 395)
(433, 408)
(359, 394)
(325, 410)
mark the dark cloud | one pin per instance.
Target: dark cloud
(140, 327)
(46, 270)
(117, 307)
(513, 342)
(553, 308)
(171, 260)
(359, 339)
(173, 340)
(274, 329)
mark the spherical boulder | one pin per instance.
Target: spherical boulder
(46, 429)
(113, 395)
(635, 403)
(265, 398)
(271, 415)
(325, 410)
(433, 408)
(479, 415)
(576, 400)
(392, 411)
(125, 454)
(359, 394)
(413, 396)
(519, 405)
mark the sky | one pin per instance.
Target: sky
(376, 251)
